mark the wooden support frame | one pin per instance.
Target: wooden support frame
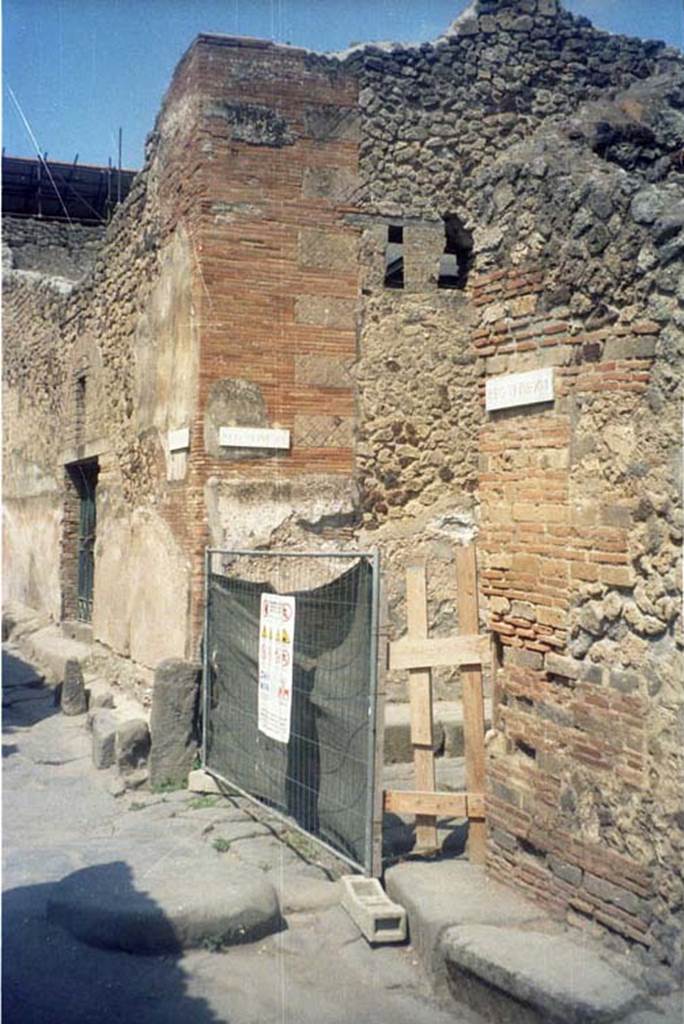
(446, 805)
(420, 698)
(473, 699)
(417, 653)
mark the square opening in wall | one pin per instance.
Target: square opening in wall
(394, 257)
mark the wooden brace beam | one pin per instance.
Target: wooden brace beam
(446, 805)
(411, 652)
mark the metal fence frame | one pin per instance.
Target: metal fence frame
(371, 861)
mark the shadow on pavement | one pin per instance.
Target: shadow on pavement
(26, 698)
(49, 977)
(399, 837)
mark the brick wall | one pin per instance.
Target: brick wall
(572, 767)
(264, 211)
(549, 141)
(276, 268)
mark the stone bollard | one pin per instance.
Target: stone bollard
(104, 737)
(173, 722)
(132, 745)
(73, 697)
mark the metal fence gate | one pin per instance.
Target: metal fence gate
(313, 760)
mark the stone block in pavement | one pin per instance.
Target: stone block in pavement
(173, 721)
(182, 900)
(532, 977)
(104, 738)
(449, 892)
(99, 697)
(200, 781)
(73, 699)
(132, 744)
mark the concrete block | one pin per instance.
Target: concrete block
(398, 748)
(447, 734)
(377, 917)
(200, 781)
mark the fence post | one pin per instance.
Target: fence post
(205, 659)
(379, 751)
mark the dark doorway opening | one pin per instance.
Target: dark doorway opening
(80, 522)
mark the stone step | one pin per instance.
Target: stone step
(533, 977)
(151, 900)
(448, 730)
(502, 955)
(50, 650)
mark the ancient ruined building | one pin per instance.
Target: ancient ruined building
(350, 248)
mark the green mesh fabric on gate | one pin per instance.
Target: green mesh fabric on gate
(320, 778)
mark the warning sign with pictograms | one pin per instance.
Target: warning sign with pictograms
(276, 647)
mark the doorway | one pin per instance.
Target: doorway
(79, 539)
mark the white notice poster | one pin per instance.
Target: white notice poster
(276, 646)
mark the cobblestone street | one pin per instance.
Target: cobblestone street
(60, 818)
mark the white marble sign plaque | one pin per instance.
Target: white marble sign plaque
(519, 389)
(253, 437)
(179, 440)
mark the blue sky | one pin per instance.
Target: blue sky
(82, 68)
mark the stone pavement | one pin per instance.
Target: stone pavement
(504, 957)
(72, 848)
(185, 876)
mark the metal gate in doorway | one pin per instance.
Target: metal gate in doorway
(289, 689)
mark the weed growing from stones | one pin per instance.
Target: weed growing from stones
(202, 802)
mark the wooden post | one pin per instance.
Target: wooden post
(420, 696)
(473, 699)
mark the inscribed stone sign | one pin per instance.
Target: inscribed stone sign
(519, 389)
(253, 437)
(179, 440)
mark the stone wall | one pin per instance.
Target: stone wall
(99, 370)
(49, 247)
(433, 118)
(225, 295)
(350, 248)
(581, 541)
(557, 150)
